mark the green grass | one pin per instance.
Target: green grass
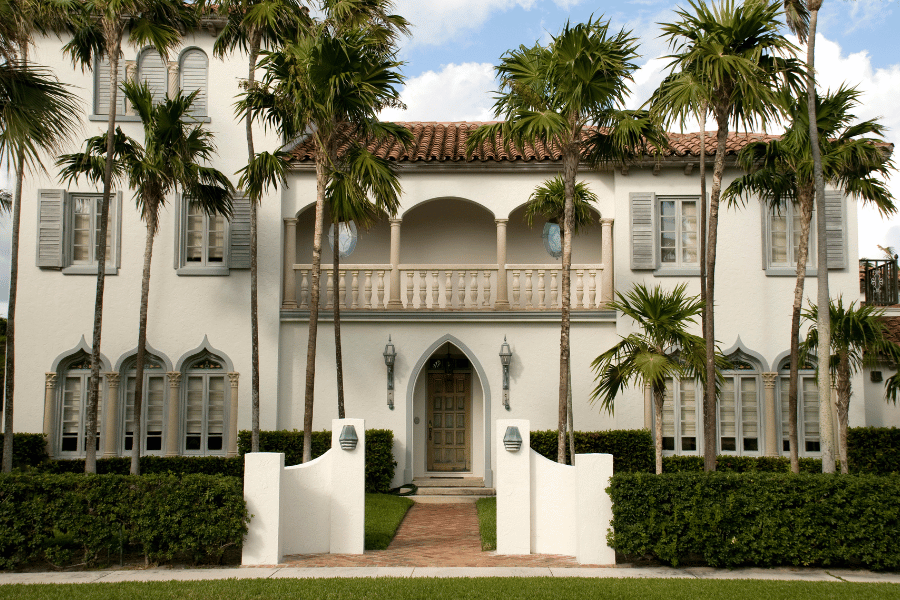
(537, 588)
(384, 513)
(487, 522)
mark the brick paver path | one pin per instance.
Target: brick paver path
(433, 535)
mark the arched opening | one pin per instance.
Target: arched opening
(525, 245)
(448, 231)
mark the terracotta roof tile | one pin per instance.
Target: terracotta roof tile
(441, 142)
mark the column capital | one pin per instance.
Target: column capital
(172, 67)
(769, 379)
(395, 222)
(606, 222)
(174, 378)
(501, 221)
(290, 220)
(50, 380)
(233, 379)
(112, 378)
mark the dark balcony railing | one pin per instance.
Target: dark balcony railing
(878, 280)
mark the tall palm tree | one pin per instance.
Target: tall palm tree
(737, 53)
(250, 26)
(171, 159)
(569, 95)
(549, 202)
(663, 350)
(781, 171)
(99, 28)
(857, 339)
(329, 84)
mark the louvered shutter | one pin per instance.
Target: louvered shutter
(240, 234)
(101, 87)
(50, 228)
(153, 71)
(835, 229)
(194, 66)
(643, 211)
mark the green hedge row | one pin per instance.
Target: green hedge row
(76, 518)
(153, 465)
(29, 449)
(740, 464)
(761, 519)
(873, 450)
(632, 449)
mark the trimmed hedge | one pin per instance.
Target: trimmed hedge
(154, 465)
(873, 450)
(380, 463)
(761, 519)
(740, 464)
(29, 449)
(632, 449)
(77, 518)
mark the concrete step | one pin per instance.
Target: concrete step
(430, 482)
(456, 491)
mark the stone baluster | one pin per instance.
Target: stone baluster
(423, 288)
(541, 289)
(528, 289)
(354, 290)
(380, 290)
(592, 289)
(289, 300)
(554, 290)
(111, 425)
(174, 416)
(409, 289)
(502, 302)
(435, 290)
(49, 409)
(329, 298)
(473, 292)
(342, 288)
(233, 416)
(394, 303)
(607, 284)
(448, 289)
(304, 288)
(516, 288)
(771, 444)
(579, 289)
(367, 289)
(461, 290)
(487, 288)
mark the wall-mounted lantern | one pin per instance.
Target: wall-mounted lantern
(348, 438)
(505, 359)
(512, 440)
(389, 356)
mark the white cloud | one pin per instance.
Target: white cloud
(439, 22)
(455, 93)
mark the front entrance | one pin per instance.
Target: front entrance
(449, 439)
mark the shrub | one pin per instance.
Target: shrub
(632, 449)
(29, 449)
(740, 464)
(761, 519)
(61, 518)
(172, 465)
(873, 450)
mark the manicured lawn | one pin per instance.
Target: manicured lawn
(487, 522)
(455, 589)
(384, 513)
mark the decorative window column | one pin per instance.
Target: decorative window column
(49, 407)
(771, 421)
(607, 290)
(290, 255)
(394, 303)
(233, 415)
(172, 427)
(130, 72)
(174, 85)
(648, 407)
(111, 428)
(502, 294)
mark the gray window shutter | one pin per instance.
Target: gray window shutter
(50, 228)
(643, 227)
(835, 229)
(101, 87)
(115, 221)
(154, 72)
(180, 208)
(194, 65)
(239, 231)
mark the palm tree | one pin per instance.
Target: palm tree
(781, 171)
(857, 340)
(549, 201)
(99, 27)
(170, 160)
(328, 84)
(663, 350)
(569, 95)
(737, 53)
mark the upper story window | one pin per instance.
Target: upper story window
(784, 233)
(807, 409)
(102, 73)
(205, 237)
(152, 70)
(679, 416)
(193, 71)
(738, 409)
(781, 237)
(665, 233)
(678, 241)
(211, 244)
(69, 231)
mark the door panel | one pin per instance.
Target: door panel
(449, 422)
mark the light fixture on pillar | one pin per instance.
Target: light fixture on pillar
(389, 356)
(505, 359)
(512, 440)
(348, 438)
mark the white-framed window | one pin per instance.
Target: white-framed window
(211, 244)
(84, 225)
(153, 71)
(680, 415)
(69, 232)
(152, 409)
(193, 67)
(204, 242)
(807, 410)
(781, 236)
(738, 410)
(678, 239)
(204, 413)
(76, 382)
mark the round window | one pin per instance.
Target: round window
(552, 240)
(347, 238)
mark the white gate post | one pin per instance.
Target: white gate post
(348, 487)
(262, 492)
(513, 490)
(594, 510)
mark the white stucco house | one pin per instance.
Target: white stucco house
(455, 274)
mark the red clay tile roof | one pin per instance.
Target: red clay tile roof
(892, 328)
(440, 142)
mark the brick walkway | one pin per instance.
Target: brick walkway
(433, 535)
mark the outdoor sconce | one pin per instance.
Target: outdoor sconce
(505, 358)
(348, 437)
(875, 376)
(389, 356)
(512, 440)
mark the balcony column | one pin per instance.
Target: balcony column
(289, 301)
(648, 407)
(771, 446)
(502, 302)
(49, 408)
(607, 289)
(111, 429)
(233, 416)
(173, 82)
(174, 413)
(130, 71)
(395, 303)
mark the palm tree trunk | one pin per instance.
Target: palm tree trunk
(709, 404)
(843, 405)
(114, 45)
(659, 396)
(314, 306)
(823, 325)
(709, 411)
(254, 271)
(805, 203)
(10, 369)
(570, 172)
(337, 323)
(571, 419)
(137, 435)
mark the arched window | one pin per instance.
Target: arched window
(680, 416)
(739, 407)
(76, 382)
(102, 73)
(807, 408)
(152, 406)
(194, 68)
(152, 70)
(204, 405)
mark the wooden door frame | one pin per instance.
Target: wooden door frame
(469, 427)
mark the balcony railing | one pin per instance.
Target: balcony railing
(878, 281)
